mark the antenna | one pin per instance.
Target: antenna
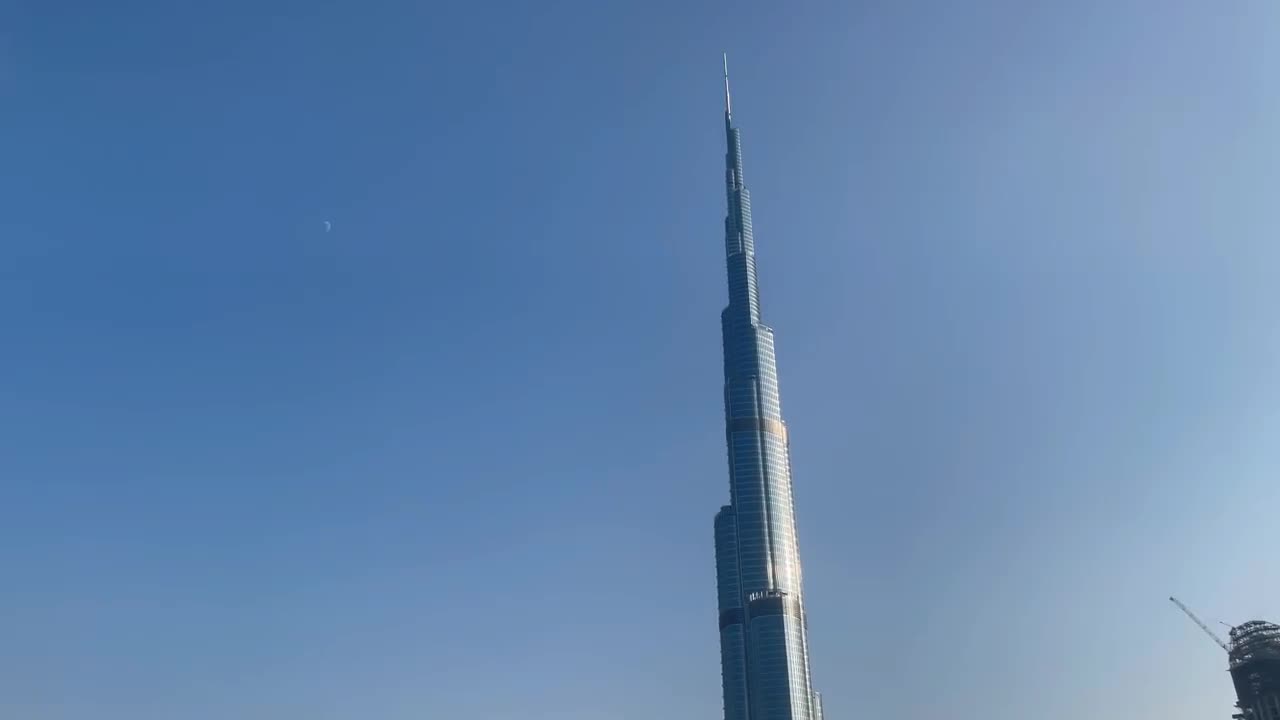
(1197, 621)
(728, 108)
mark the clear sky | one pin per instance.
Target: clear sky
(459, 456)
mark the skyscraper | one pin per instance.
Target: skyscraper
(764, 654)
(1254, 659)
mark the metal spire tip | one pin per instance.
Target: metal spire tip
(728, 106)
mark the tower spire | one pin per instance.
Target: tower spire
(728, 107)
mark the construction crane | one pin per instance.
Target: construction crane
(1197, 621)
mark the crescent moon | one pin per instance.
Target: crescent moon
(327, 225)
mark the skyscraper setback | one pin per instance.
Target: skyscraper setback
(764, 654)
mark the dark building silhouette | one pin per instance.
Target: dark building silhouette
(1255, 670)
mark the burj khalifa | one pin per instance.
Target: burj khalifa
(764, 652)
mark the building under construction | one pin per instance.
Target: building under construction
(1253, 657)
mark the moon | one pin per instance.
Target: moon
(328, 226)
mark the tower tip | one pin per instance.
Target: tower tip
(728, 106)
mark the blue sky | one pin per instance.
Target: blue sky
(460, 455)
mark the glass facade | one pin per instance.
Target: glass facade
(763, 648)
